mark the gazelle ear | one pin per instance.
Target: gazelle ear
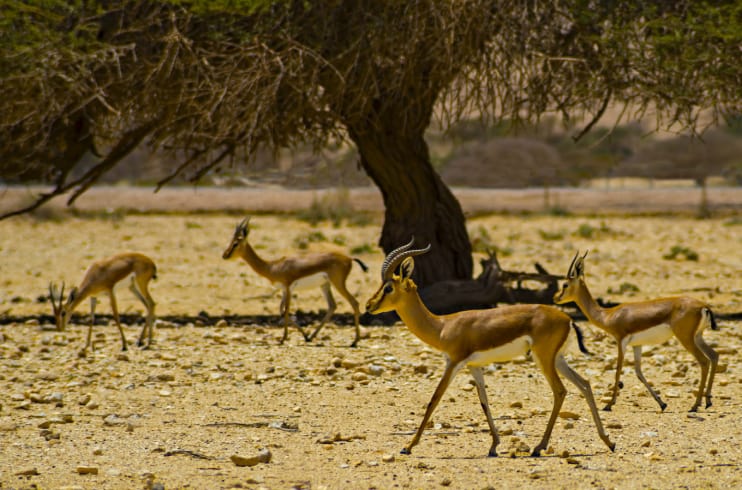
(406, 268)
(73, 295)
(580, 266)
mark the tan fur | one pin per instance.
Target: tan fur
(467, 337)
(102, 276)
(685, 316)
(286, 271)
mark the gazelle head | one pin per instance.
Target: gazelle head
(395, 286)
(61, 308)
(238, 239)
(575, 281)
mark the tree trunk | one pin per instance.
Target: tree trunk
(416, 200)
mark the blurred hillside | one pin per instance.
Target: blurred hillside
(471, 154)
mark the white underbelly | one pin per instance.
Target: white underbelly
(511, 350)
(310, 282)
(654, 335)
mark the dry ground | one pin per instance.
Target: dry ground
(336, 417)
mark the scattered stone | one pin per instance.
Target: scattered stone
(113, 419)
(28, 472)
(516, 405)
(87, 470)
(388, 458)
(264, 456)
(421, 369)
(221, 323)
(375, 370)
(569, 415)
(614, 425)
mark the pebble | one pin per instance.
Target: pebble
(28, 472)
(264, 456)
(569, 415)
(388, 458)
(421, 369)
(87, 470)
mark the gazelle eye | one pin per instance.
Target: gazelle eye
(388, 289)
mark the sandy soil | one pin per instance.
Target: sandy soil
(336, 417)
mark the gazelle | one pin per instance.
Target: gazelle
(476, 338)
(303, 271)
(643, 323)
(102, 276)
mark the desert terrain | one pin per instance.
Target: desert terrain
(331, 416)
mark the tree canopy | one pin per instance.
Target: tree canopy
(214, 81)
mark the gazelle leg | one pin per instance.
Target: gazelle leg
(284, 312)
(690, 344)
(584, 386)
(713, 356)
(356, 311)
(139, 288)
(331, 305)
(448, 374)
(115, 310)
(640, 375)
(482, 392)
(547, 363)
(88, 342)
(619, 367)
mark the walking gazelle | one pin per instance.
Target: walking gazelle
(476, 338)
(646, 322)
(300, 271)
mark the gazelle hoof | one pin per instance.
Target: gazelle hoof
(405, 451)
(663, 406)
(607, 408)
(536, 453)
(492, 453)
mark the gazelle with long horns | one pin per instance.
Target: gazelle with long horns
(102, 276)
(476, 338)
(308, 270)
(646, 322)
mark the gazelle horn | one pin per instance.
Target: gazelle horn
(397, 255)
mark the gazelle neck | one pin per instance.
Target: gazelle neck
(592, 310)
(420, 321)
(253, 259)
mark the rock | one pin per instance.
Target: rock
(87, 470)
(516, 405)
(375, 370)
(388, 458)
(421, 369)
(264, 456)
(569, 415)
(28, 472)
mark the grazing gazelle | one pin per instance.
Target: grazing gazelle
(644, 323)
(476, 338)
(301, 271)
(102, 276)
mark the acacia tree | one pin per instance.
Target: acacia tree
(213, 80)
